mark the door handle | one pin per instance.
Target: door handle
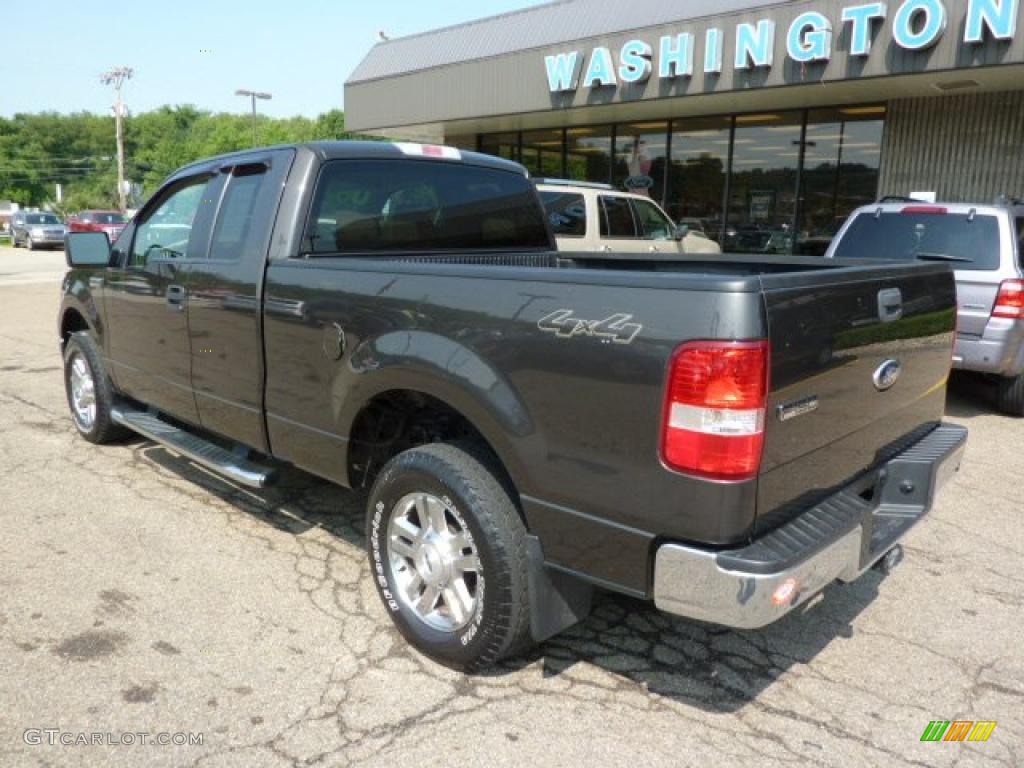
(890, 305)
(176, 296)
(654, 249)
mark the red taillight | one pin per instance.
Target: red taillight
(923, 209)
(1010, 301)
(715, 400)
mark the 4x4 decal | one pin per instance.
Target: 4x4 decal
(615, 329)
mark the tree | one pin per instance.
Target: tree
(77, 150)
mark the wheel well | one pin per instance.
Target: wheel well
(397, 420)
(72, 322)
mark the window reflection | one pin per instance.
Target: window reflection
(841, 159)
(762, 188)
(504, 145)
(589, 153)
(542, 153)
(688, 170)
(640, 158)
(697, 173)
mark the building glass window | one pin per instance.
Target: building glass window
(640, 158)
(542, 153)
(841, 157)
(697, 172)
(504, 145)
(467, 142)
(685, 166)
(589, 153)
(762, 187)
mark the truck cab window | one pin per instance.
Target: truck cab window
(377, 206)
(617, 218)
(235, 220)
(166, 229)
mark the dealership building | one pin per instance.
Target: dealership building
(754, 117)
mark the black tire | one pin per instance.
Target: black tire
(102, 429)
(500, 623)
(1010, 395)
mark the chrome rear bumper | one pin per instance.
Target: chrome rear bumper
(840, 538)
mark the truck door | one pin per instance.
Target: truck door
(146, 301)
(224, 289)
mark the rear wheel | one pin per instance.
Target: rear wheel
(90, 394)
(448, 551)
(1010, 395)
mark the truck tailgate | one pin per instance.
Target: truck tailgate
(860, 359)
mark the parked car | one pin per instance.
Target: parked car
(37, 230)
(597, 217)
(111, 222)
(532, 421)
(985, 245)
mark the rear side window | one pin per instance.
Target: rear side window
(966, 244)
(566, 212)
(395, 205)
(617, 218)
(237, 226)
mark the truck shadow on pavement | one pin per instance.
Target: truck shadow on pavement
(969, 396)
(696, 664)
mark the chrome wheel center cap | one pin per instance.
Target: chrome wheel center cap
(433, 564)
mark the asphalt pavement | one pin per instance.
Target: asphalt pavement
(142, 595)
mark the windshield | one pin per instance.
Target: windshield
(41, 218)
(968, 244)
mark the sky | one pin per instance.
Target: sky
(201, 51)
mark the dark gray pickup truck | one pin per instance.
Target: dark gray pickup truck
(724, 436)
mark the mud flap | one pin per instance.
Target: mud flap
(557, 599)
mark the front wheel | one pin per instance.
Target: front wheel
(90, 394)
(448, 554)
(1010, 395)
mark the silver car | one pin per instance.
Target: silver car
(37, 230)
(985, 246)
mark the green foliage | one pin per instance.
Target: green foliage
(78, 150)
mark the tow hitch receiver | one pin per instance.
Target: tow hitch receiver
(890, 560)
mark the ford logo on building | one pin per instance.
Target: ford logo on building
(887, 374)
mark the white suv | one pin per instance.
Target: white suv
(597, 217)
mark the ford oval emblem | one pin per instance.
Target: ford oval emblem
(887, 374)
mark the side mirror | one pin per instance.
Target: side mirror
(87, 249)
(682, 230)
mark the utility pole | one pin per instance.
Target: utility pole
(116, 77)
(253, 95)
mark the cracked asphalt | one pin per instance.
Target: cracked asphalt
(141, 594)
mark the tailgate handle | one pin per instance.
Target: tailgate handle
(890, 305)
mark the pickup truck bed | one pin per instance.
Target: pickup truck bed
(560, 386)
(576, 420)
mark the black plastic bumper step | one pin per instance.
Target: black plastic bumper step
(904, 495)
(194, 448)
